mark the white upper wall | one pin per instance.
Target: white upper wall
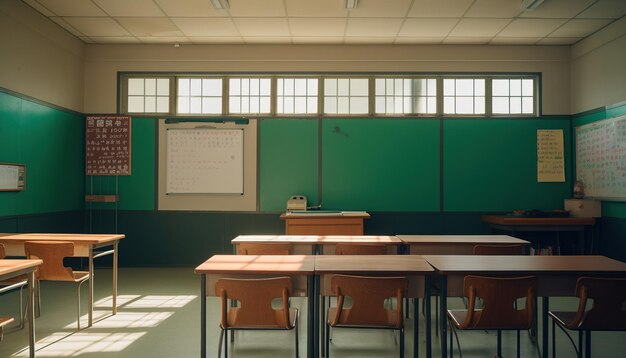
(599, 68)
(38, 58)
(103, 62)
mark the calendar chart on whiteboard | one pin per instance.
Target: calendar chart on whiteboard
(204, 161)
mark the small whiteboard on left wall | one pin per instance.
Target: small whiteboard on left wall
(12, 177)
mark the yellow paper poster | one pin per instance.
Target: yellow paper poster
(550, 156)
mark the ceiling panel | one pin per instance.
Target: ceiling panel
(146, 8)
(327, 21)
(190, 8)
(267, 27)
(206, 26)
(605, 9)
(97, 26)
(72, 8)
(439, 8)
(479, 27)
(150, 26)
(317, 27)
(373, 27)
(531, 27)
(579, 28)
(450, 40)
(427, 27)
(381, 8)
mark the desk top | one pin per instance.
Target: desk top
(359, 239)
(525, 264)
(521, 221)
(325, 215)
(461, 239)
(372, 264)
(293, 239)
(76, 238)
(8, 267)
(258, 264)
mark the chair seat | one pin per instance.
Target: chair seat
(392, 320)
(5, 320)
(80, 276)
(280, 324)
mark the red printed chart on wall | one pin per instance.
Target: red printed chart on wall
(108, 144)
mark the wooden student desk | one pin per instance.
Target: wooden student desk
(326, 244)
(13, 268)
(316, 223)
(416, 269)
(84, 246)
(454, 244)
(299, 267)
(514, 225)
(556, 276)
(317, 244)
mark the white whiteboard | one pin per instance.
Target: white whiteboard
(204, 161)
(601, 158)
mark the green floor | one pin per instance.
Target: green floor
(159, 317)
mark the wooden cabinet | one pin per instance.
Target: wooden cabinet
(315, 224)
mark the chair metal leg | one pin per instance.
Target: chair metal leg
(553, 339)
(297, 335)
(401, 342)
(579, 352)
(451, 346)
(588, 344)
(226, 343)
(327, 341)
(499, 343)
(78, 303)
(518, 347)
(219, 345)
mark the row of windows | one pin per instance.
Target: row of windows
(340, 96)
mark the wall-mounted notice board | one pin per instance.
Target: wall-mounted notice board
(108, 144)
(601, 158)
(12, 177)
(204, 161)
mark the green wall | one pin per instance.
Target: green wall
(51, 144)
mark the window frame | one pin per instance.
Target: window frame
(173, 77)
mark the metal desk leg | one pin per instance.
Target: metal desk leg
(443, 283)
(90, 290)
(115, 245)
(203, 316)
(31, 314)
(416, 318)
(313, 324)
(544, 325)
(428, 317)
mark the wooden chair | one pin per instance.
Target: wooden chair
(9, 285)
(514, 249)
(607, 313)
(360, 249)
(368, 309)
(255, 311)
(52, 254)
(250, 248)
(498, 311)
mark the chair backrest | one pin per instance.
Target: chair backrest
(608, 312)
(499, 295)
(52, 254)
(515, 249)
(251, 248)
(360, 249)
(3, 253)
(255, 298)
(368, 300)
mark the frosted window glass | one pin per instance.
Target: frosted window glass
(379, 87)
(358, 105)
(163, 104)
(464, 87)
(390, 88)
(398, 87)
(300, 104)
(330, 87)
(183, 105)
(358, 87)
(390, 105)
(407, 89)
(479, 105)
(343, 105)
(500, 87)
(397, 107)
(312, 87)
(288, 91)
(330, 105)
(432, 87)
(311, 105)
(279, 86)
(150, 104)
(479, 87)
(448, 105)
(516, 87)
(280, 107)
(265, 86)
(464, 105)
(432, 105)
(288, 105)
(527, 87)
(448, 87)
(265, 105)
(195, 105)
(380, 104)
(245, 87)
(516, 105)
(163, 87)
(500, 105)
(408, 105)
(183, 87)
(527, 105)
(255, 106)
(235, 86)
(255, 89)
(212, 105)
(421, 105)
(135, 87)
(196, 87)
(135, 104)
(300, 87)
(245, 104)
(235, 104)
(343, 87)
(150, 86)
(212, 87)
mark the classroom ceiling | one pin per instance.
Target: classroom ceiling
(494, 22)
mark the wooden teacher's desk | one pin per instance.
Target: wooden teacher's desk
(416, 269)
(299, 267)
(319, 223)
(514, 225)
(84, 246)
(556, 276)
(454, 244)
(14, 268)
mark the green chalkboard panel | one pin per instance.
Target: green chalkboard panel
(380, 165)
(491, 165)
(288, 161)
(137, 190)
